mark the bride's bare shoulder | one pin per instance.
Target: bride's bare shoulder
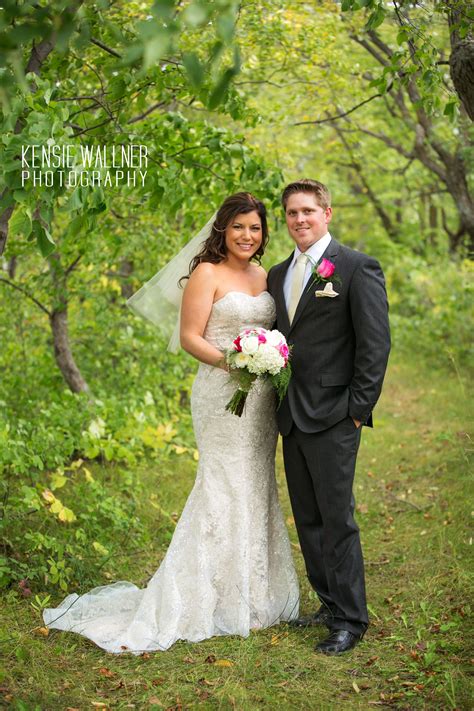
(204, 270)
(259, 270)
(260, 276)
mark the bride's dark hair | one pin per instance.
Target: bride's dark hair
(214, 249)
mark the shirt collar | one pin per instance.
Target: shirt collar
(316, 250)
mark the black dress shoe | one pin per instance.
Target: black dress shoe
(338, 642)
(322, 617)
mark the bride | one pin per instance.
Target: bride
(228, 568)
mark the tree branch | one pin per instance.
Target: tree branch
(73, 265)
(27, 294)
(158, 105)
(385, 139)
(107, 49)
(378, 43)
(371, 50)
(91, 128)
(338, 116)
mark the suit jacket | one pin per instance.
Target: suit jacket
(340, 345)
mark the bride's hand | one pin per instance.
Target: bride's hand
(222, 363)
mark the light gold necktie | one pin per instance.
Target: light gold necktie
(297, 279)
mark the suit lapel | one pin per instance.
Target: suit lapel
(283, 321)
(330, 252)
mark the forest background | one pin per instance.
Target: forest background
(96, 446)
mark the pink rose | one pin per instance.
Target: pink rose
(326, 269)
(262, 338)
(237, 345)
(284, 351)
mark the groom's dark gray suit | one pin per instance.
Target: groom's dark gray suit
(340, 349)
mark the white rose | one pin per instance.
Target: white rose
(274, 338)
(241, 360)
(249, 345)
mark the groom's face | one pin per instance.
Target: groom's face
(307, 221)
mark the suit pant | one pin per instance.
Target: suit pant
(320, 470)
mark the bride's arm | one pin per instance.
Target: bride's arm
(196, 308)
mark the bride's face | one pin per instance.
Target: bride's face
(243, 235)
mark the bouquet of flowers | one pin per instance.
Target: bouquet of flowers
(258, 353)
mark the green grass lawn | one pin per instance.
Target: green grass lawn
(412, 501)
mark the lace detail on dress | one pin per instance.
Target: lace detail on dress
(228, 568)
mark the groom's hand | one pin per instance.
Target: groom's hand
(356, 422)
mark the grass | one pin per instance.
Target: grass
(412, 493)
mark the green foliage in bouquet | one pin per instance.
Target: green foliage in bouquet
(281, 381)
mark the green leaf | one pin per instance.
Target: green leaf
(403, 36)
(44, 240)
(75, 201)
(376, 18)
(22, 654)
(194, 68)
(450, 109)
(195, 14)
(226, 27)
(102, 550)
(20, 223)
(164, 9)
(155, 48)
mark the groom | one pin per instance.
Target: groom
(332, 308)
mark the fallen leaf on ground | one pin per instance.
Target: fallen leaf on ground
(154, 701)
(223, 663)
(106, 672)
(355, 687)
(370, 661)
(43, 631)
(206, 682)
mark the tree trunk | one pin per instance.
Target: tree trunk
(11, 268)
(63, 354)
(433, 221)
(456, 183)
(461, 65)
(59, 326)
(126, 270)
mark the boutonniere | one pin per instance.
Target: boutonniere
(323, 272)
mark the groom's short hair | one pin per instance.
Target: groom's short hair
(306, 185)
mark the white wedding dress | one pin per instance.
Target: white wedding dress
(228, 568)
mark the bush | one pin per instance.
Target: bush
(430, 306)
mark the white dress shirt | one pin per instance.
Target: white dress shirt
(316, 251)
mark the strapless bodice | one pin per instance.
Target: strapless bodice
(236, 311)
